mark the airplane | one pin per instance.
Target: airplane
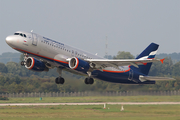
(42, 53)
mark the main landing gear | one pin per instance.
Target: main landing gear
(89, 79)
(59, 80)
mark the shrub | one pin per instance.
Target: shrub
(3, 98)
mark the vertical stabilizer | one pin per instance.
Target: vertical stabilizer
(148, 53)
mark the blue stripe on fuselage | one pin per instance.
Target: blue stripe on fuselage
(105, 76)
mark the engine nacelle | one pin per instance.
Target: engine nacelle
(35, 65)
(78, 64)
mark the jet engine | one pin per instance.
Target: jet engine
(35, 65)
(78, 64)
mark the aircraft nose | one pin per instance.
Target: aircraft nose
(9, 40)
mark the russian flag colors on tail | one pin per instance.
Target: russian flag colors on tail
(148, 53)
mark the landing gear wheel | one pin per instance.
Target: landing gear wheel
(59, 80)
(89, 81)
(22, 63)
(62, 80)
(86, 81)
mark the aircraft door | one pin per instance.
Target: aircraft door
(75, 53)
(35, 39)
(72, 53)
(130, 74)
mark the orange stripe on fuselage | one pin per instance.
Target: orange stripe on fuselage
(67, 62)
(41, 56)
(117, 71)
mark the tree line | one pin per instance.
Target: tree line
(15, 78)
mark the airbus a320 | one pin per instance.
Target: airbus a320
(42, 54)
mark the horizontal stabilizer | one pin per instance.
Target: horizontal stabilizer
(144, 78)
(162, 60)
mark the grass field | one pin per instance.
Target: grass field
(91, 112)
(95, 99)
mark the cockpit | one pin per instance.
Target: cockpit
(21, 34)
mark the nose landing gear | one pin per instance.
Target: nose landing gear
(22, 63)
(25, 58)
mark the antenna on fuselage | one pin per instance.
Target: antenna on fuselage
(31, 30)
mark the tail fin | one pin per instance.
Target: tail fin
(148, 53)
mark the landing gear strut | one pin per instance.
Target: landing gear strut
(89, 79)
(25, 58)
(59, 80)
(22, 63)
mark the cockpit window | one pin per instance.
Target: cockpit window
(16, 33)
(23, 35)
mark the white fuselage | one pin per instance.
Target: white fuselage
(48, 50)
(43, 47)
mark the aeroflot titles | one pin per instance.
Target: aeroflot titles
(59, 45)
(52, 42)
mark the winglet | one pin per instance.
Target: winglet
(162, 60)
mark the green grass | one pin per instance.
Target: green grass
(95, 99)
(91, 112)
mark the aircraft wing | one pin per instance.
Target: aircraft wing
(102, 63)
(144, 78)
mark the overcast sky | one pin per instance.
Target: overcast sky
(131, 25)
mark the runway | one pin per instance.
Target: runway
(110, 103)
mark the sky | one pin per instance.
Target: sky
(130, 25)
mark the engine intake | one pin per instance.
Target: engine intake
(78, 64)
(35, 65)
